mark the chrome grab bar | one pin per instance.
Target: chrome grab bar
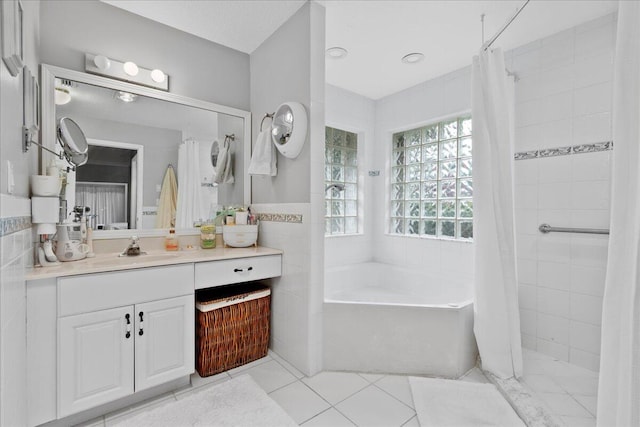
(546, 228)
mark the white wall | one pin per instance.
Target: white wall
(298, 189)
(564, 98)
(277, 78)
(445, 96)
(355, 113)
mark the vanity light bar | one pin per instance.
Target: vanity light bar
(126, 71)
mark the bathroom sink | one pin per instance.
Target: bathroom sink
(151, 257)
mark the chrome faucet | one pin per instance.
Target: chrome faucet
(338, 187)
(133, 249)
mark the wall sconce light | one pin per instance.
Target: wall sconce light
(127, 71)
(62, 96)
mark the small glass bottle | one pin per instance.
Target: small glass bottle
(208, 236)
(171, 241)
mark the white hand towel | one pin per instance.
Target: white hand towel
(224, 171)
(263, 158)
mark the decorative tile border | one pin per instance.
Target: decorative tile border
(14, 224)
(564, 151)
(280, 217)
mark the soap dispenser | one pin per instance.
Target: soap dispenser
(171, 241)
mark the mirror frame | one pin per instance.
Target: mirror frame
(48, 74)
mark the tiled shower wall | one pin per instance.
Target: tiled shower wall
(444, 96)
(563, 98)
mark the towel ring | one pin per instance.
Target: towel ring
(269, 115)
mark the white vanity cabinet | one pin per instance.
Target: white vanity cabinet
(96, 360)
(107, 353)
(110, 354)
(97, 338)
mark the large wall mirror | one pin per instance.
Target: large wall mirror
(135, 135)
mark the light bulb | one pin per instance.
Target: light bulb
(102, 62)
(130, 68)
(62, 96)
(157, 76)
(126, 96)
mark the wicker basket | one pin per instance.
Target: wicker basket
(232, 325)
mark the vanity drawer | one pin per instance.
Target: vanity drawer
(91, 292)
(220, 273)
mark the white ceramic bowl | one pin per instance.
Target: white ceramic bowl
(240, 236)
(45, 186)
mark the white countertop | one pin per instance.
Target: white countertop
(111, 262)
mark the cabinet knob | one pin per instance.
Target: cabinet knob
(240, 270)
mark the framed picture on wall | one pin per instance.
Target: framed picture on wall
(11, 12)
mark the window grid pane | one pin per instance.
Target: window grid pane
(432, 180)
(341, 167)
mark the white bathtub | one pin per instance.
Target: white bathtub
(382, 318)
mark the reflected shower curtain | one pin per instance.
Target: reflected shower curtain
(619, 387)
(107, 201)
(189, 206)
(497, 319)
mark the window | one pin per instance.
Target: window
(431, 181)
(341, 172)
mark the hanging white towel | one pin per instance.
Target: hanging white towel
(224, 170)
(264, 158)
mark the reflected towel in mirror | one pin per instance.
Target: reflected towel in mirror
(224, 170)
(264, 157)
(166, 217)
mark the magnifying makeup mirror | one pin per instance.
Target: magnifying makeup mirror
(289, 129)
(73, 142)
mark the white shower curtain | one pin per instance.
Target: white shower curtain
(189, 205)
(108, 201)
(497, 319)
(619, 388)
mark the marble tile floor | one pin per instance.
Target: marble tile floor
(569, 392)
(334, 399)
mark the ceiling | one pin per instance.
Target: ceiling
(239, 24)
(377, 33)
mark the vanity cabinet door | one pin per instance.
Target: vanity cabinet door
(95, 359)
(164, 341)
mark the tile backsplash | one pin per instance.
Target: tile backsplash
(16, 254)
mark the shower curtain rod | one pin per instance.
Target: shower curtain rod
(488, 44)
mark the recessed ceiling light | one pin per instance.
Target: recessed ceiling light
(337, 52)
(413, 58)
(126, 96)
